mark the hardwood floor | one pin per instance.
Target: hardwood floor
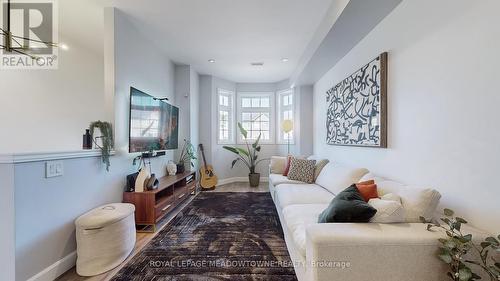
(144, 238)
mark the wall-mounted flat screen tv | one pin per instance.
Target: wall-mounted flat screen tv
(153, 123)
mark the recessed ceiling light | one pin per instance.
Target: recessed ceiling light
(284, 59)
(211, 61)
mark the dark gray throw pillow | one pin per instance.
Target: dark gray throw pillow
(348, 206)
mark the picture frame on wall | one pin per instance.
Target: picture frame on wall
(357, 107)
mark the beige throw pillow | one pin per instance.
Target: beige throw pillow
(302, 170)
(277, 165)
(319, 166)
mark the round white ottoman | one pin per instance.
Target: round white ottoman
(105, 237)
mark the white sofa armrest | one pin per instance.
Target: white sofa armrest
(352, 251)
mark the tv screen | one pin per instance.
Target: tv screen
(153, 123)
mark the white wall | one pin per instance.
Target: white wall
(47, 110)
(442, 102)
(194, 109)
(46, 208)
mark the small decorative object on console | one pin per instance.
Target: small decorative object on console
(171, 168)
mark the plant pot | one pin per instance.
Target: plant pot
(181, 168)
(254, 179)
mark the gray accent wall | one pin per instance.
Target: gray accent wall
(7, 218)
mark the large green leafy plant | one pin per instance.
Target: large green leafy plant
(106, 137)
(457, 248)
(248, 156)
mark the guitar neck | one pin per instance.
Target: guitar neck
(203, 155)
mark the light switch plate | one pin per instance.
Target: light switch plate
(54, 169)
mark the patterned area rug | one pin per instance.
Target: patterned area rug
(218, 236)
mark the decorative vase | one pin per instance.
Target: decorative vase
(181, 168)
(141, 180)
(87, 140)
(171, 168)
(254, 179)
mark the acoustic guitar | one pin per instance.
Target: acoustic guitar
(208, 179)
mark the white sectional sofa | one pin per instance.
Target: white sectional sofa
(357, 251)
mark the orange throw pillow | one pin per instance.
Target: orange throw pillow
(287, 167)
(366, 182)
(368, 191)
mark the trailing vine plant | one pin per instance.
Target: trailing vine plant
(107, 139)
(453, 250)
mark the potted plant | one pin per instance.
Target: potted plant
(107, 142)
(187, 155)
(248, 157)
(454, 250)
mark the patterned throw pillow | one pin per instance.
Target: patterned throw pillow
(302, 170)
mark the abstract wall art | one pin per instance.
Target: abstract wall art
(357, 107)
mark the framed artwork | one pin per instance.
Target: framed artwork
(357, 107)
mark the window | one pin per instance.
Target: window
(225, 116)
(256, 114)
(286, 112)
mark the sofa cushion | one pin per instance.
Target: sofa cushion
(320, 164)
(348, 206)
(277, 179)
(296, 218)
(289, 194)
(336, 177)
(277, 165)
(416, 201)
(388, 211)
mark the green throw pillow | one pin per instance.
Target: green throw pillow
(348, 206)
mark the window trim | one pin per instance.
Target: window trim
(232, 124)
(272, 108)
(279, 133)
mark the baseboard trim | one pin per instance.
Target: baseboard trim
(239, 179)
(56, 269)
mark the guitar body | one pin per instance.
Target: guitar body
(208, 179)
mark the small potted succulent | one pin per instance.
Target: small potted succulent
(248, 156)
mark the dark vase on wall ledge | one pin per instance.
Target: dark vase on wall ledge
(87, 140)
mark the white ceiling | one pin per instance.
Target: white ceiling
(233, 32)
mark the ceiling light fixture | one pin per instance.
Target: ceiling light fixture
(284, 59)
(11, 44)
(211, 61)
